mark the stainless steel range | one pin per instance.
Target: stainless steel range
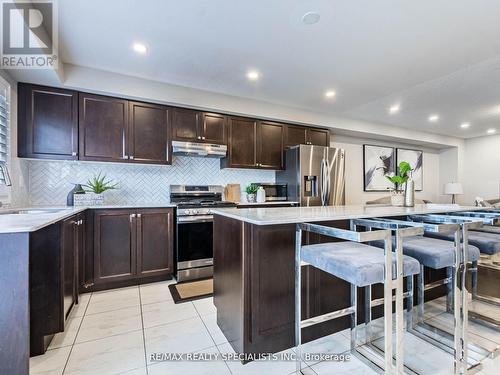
(194, 250)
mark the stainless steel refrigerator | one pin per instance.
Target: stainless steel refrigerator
(314, 175)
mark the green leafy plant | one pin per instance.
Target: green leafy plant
(252, 189)
(403, 174)
(99, 185)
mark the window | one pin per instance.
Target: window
(4, 125)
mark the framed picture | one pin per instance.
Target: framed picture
(415, 159)
(378, 161)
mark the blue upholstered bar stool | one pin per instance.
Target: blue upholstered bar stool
(487, 239)
(435, 254)
(359, 264)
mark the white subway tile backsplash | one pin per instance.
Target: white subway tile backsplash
(50, 181)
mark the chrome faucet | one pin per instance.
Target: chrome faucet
(5, 172)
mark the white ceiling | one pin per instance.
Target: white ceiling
(431, 56)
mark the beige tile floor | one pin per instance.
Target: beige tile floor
(113, 332)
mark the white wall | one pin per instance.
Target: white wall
(354, 170)
(18, 168)
(481, 175)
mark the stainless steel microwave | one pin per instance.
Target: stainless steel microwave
(274, 192)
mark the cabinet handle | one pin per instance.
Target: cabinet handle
(88, 285)
(132, 217)
(199, 137)
(73, 153)
(131, 157)
(203, 138)
(125, 156)
(139, 215)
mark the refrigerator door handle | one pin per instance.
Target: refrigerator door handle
(325, 182)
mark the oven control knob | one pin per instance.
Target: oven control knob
(195, 212)
(187, 212)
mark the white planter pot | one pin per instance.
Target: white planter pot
(398, 198)
(251, 198)
(88, 199)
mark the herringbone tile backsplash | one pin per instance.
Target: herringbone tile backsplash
(50, 181)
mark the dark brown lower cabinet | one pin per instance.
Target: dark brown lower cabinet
(155, 242)
(131, 245)
(53, 279)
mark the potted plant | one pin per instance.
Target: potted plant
(96, 186)
(398, 197)
(251, 191)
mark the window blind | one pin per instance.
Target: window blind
(4, 125)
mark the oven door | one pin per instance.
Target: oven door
(194, 241)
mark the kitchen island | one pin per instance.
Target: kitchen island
(254, 255)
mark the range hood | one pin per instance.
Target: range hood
(203, 150)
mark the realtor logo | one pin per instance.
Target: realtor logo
(29, 34)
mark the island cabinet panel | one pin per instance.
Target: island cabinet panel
(155, 242)
(130, 247)
(104, 124)
(270, 136)
(48, 122)
(14, 304)
(149, 133)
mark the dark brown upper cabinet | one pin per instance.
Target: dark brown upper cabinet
(213, 128)
(270, 137)
(296, 135)
(194, 126)
(318, 137)
(242, 152)
(149, 133)
(48, 122)
(254, 144)
(186, 125)
(104, 124)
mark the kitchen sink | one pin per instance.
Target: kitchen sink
(31, 211)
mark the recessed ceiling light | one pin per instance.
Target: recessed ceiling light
(310, 18)
(465, 125)
(394, 109)
(330, 94)
(491, 131)
(433, 118)
(139, 48)
(253, 75)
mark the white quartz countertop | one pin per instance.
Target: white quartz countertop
(268, 203)
(34, 218)
(289, 215)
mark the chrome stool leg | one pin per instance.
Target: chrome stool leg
(449, 295)
(368, 313)
(409, 303)
(473, 271)
(298, 301)
(354, 317)
(420, 295)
